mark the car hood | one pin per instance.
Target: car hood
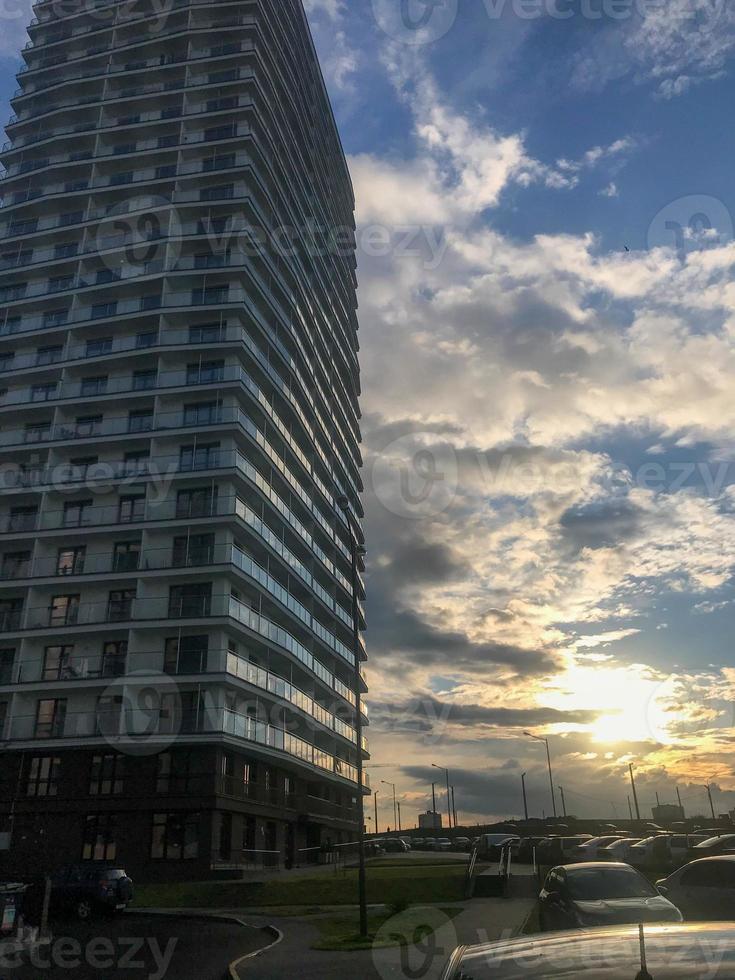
(615, 911)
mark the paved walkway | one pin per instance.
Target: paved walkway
(481, 920)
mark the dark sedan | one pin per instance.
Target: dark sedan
(598, 893)
(673, 952)
(724, 844)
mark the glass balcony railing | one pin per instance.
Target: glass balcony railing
(214, 662)
(145, 727)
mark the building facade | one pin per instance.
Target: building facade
(179, 424)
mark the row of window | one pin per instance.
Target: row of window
(203, 372)
(141, 420)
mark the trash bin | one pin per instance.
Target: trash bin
(11, 897)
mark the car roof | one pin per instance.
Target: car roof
(592, 864)
(610, 953)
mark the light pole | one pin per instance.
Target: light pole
(539, 738)
(525, 798)
(449, 799)
(635, 792)
(356, 551)
(711, 801)
(395, 812)
(375, 801)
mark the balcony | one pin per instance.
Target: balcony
(80, 670)
(140, 727)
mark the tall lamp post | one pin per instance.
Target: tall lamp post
(395, 812)
(539, 738)
(525, 798)
(449, 799)
(357, 551)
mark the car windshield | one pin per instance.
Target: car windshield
(597, 884)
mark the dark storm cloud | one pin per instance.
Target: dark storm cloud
(427, 714)
(418, 561)
(601, 525)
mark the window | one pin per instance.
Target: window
(225, 836)
(205, 373)
(93, 386)
(179, 775)
(220, 133)
(144, 380)
(168, 170)
(49, 355)
(70, 561)
(131, 509)
(140, 421)
(43, 776)
(55, 318)
(114, 658)
(175, 836)
(57, 283)
(77, 512)
(57, 662)
(196, 503)
(23, 518)
(109, 714)
(106, 777)
(222, 162)
(209, 333)
(7, 660)
(223, 192)
(211, 295)
(200, 457)
(15, 564)
(120, 605)
(44, 392)
(203, 413)
(88, 425)
(100, 835)
(193, 599)
(146, 339)
(150, 302)
(101, 310)
(50, 718)
(125, 556)
(194, 549)
(64, 610)
(225, 102)
(65, 250)
(71, 218)
(103, 345)
(37, 432)
(136, 462)
(186, 655)
(709, 874)
(11, 611)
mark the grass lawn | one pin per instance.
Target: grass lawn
(385, 885)
(340, 933)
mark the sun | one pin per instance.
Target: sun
(632, 702)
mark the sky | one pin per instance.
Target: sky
(545, 244)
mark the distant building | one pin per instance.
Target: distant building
(430, 820)
(668, 813)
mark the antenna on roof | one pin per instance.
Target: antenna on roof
(643, 974)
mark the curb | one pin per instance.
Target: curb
(232, 970)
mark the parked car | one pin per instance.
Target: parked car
(703, 889)
(442, 844)
(589, 850)
(712, 846)
(663, 850)
(428, 844)
(461, 844)
(597, 893)
(86, 888)
(673, 953)
(417, 843)
(489, 846)
(558, 850)
(618, 851)
(393, 845)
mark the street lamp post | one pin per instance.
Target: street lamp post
(449, 799)
(356, 551)
(525, 798)
(395, 812)
(539, 738)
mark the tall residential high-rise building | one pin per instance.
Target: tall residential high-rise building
(179, 435)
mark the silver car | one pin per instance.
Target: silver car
(703, 889)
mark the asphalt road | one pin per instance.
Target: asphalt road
(135, 946)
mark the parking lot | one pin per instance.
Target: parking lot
(135, 946)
